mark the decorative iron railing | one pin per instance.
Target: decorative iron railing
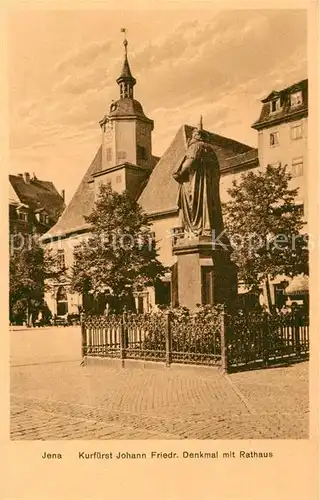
(262, 338)
(197, 340)
(157, 337)
(212, 338)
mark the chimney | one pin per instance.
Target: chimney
(20, 175)
(63, 194)
(34, 177)
(26, 177)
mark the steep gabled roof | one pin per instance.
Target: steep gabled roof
(37, 194)
(161, 192)
(72, 219)
(13, 197)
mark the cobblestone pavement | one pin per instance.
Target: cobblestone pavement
(53, 397)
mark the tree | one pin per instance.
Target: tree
(119, 257)
(32, 270)
(265, 227)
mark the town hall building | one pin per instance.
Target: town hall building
(125, 160)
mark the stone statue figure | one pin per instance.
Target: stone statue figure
(199, 176)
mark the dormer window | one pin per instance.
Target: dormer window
(23, 216)
(296, 99)
(275, 105)
(43, 218)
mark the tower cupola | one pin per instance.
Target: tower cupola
(126, 81)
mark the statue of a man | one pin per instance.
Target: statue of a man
(199, 176)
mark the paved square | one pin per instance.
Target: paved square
(53, 397)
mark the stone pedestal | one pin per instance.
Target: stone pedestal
(205, 273)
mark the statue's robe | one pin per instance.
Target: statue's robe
(199, 198)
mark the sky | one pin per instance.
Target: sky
(63, 66)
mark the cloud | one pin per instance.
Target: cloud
(220, 66)
(83, 56)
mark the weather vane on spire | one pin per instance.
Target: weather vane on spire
(125, 41)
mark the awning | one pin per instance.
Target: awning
(299, 285)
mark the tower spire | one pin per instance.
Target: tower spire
(200, 127)
(126, 81)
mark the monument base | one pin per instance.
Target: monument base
(205, 273)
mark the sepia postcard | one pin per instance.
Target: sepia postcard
(160, 246)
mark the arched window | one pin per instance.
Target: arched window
(62, 301)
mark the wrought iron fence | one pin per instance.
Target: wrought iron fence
(197, 339)
(157, 337)
(209, 338)
(145, 336)
(101, 336)
(261, 338)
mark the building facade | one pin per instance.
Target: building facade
(283, 139)
(283, 134)
(34, 205)
(125, 160)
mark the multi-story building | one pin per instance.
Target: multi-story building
(282, 134)
(34, 205)
(125, 160)
(282, 139)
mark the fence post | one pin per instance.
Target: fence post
(224, 342)
(83, 339)
(123, 326)
(296, 333)
(265, 338)
(168, 340)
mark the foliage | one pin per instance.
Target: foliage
(32, 268)
(265, 226)
(119, 256)
(194, 333)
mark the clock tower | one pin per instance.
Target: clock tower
(126, 134)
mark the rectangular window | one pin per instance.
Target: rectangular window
(174, 285)
(44, 218)
(297, 167)
(61, 259)
(23, 216)
(274, 139)
(275, 105)
(141, 153)
(121, 155)
(296, 132)
(118, 179)
(296, 99)
(140, 305)
(300, 206)
(109, 154)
